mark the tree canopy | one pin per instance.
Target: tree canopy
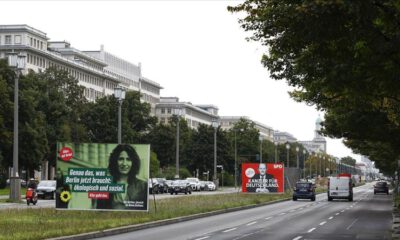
(341, 56)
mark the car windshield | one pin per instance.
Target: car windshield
(381, 184)
(303, 185)
(47, 184)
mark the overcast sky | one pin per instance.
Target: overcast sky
(195, 50)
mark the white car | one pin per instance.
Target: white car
(210, 186)
(194, 183)
(46, 188)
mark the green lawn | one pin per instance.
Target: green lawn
(6, 191)
(45, 223)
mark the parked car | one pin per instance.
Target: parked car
(381, 187)
(153, 185)
(180, 186)
(202, 185)
(46, 189)
(163, 187)
(194, 183)
(304, 190)
(23, 182)
(209, 186)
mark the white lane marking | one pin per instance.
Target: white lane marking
(337, 214)
(297, 238)
(202, 238)
(301, 208)
(330, 218)
(352, 224)
(268, 218)
(342, 211)
(312, 229)
(280, 214)
(251, 223)
(229, 230)
(322, 223)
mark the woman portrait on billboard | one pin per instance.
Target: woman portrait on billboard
(123, 166)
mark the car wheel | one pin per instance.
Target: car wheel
(350, 199)
(387, 193)
(313, 199)
(294, 198)
(329, 199)
(374, 192)
(172, 193)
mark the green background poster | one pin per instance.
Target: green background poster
(84, 180)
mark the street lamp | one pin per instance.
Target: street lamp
(215, 126)
(304, 163)
(324, 165)
(261, 141)
(276, 151)
(178, 113)
(119, 94)
(235, 130)
(297, 155)
(16, 61)
(287, 157)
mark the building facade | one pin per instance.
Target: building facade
(318, 144)
(98, 71)
(194, 114)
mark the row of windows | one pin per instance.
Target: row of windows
(92, 94)
(8, 39)
(191, 123)
(36, 43)
(35, 60)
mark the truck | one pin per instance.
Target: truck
(340, 187)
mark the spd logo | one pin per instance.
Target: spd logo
(278, 166)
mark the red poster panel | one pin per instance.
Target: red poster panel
(262, 177)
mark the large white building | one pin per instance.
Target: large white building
(98, 71)
(194, 114)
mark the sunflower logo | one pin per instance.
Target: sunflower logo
(65, 196)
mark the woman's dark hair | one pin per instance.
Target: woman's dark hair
(113, 162)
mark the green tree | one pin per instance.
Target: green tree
(348, 160)
(340, 56)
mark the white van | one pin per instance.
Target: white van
(340, 187)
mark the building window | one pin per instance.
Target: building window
(169, 110)
(17, 39)
(7, 39)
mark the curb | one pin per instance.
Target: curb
(131, 228)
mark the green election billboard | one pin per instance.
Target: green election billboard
(97, 176)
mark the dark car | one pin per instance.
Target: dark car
(154, 186)
(46, 189)
(163, 186)
(304, 190)
(180, 186)
(381, 187)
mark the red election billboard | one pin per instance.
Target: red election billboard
(262, 177)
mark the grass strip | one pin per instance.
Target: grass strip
(46, 223)
(6, 191)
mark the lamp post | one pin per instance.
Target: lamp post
(16, 61)
(261, 141)
(324, 165)
(178, 113)
(287, 156)
(304, 163)
(119, 94)
(215, 126)
(276, 151)
(297, 155)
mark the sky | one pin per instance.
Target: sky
(196, 50)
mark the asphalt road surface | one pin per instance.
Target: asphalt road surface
(368, 217)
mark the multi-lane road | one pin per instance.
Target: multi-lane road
(367, 217)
